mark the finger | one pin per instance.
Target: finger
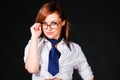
(37, 27)
(56, 79)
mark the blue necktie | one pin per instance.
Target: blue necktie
(53, 65)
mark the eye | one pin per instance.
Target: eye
(54, 23)
(44, 23)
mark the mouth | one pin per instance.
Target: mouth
(49, 33)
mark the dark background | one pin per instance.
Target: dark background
(95, 26)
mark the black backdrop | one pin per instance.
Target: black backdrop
(95, 26)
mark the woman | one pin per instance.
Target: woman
(52, 25)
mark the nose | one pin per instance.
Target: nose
(49, 28)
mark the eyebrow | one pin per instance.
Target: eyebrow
(52, 21)
(55, 20)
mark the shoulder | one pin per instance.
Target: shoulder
(76, 49)
(74, 46)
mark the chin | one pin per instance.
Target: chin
(50, 36)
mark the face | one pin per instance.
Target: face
(52, 32)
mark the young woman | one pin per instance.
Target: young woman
(49, 54)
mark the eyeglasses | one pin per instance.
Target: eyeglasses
(52, 25)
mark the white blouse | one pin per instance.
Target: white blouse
(70, 59)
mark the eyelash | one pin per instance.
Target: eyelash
(54, 22)
(51, 22)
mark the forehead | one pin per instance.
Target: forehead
(52, 17)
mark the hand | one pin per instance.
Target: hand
(36, 30)
(54, 79)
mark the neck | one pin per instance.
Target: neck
(54, 41)
(53, 38)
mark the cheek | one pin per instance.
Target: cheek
(43, 31)
(59, 30)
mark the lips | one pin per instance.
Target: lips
(49, 33)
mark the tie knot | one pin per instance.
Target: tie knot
(54, 41)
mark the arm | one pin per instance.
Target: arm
(32, 61)
(83, 67)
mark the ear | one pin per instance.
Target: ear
(63, 23)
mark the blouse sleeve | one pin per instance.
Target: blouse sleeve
(82, 65)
